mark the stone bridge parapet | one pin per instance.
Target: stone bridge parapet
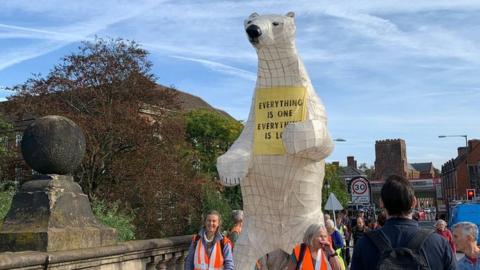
(162, 254)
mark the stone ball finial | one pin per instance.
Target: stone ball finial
(53, 145)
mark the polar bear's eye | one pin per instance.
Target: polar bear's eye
(275, 23)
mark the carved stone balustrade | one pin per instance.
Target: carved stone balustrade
(151, 254)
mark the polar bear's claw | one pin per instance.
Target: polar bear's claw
(230, 182)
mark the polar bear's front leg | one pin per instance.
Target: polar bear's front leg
(233, 166)
(308, 139)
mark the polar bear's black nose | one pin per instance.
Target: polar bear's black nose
(254, 31)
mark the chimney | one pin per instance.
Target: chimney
(351, 162)
(472, 144)
(462, 151)
(336, 164)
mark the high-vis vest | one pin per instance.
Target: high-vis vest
(307, 262)
(338, 251)
(201, 259)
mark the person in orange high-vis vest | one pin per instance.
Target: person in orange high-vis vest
(201, 258)
(210, 250)
(315, 253)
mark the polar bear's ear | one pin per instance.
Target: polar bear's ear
(291, 14)
(253, 15)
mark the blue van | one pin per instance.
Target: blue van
(468, 211)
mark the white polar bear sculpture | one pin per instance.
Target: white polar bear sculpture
(282, 191)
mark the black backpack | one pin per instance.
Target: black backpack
(303, 248)
(400, 258)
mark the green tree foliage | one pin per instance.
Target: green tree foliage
(336, 185)
(135, 137)
(7, 151)
(210, 134)
(369, 170)
(214, 199)
(6, 194)
(111, 215)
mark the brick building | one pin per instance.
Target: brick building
(455, 181)
(425, 170)
(391, 158)
(347, 173)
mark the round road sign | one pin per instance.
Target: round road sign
(359, 186)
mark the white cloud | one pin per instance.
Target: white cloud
(233, 71)
(383, 68)
(53, 38)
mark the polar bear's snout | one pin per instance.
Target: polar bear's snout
(254, 32)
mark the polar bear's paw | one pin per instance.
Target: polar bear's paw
(230, 182)
(233, 167)
(309, 139)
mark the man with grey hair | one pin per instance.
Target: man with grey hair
(465, 235)
(237, 216)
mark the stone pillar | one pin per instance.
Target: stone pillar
(50, 212)
(180, 265)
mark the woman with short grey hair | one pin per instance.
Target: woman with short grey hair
(441, 228)
(315, 252)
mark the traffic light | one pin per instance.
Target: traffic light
(470, 194)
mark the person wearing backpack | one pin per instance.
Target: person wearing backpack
(316, 252)
(209, 248)
(401, 243)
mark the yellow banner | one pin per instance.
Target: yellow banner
(274, 109)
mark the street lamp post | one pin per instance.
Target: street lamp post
(327, 184)
(466, 158)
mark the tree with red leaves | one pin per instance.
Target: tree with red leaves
(136, 150)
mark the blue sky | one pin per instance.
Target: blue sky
(384, 69)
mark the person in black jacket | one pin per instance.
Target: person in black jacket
(359, 230)
(398, 199)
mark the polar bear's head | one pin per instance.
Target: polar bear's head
(271, 30)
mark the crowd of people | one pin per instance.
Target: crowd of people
(392, 240)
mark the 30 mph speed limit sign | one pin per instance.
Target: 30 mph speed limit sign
(360, 190)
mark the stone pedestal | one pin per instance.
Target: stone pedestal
(49, 213)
